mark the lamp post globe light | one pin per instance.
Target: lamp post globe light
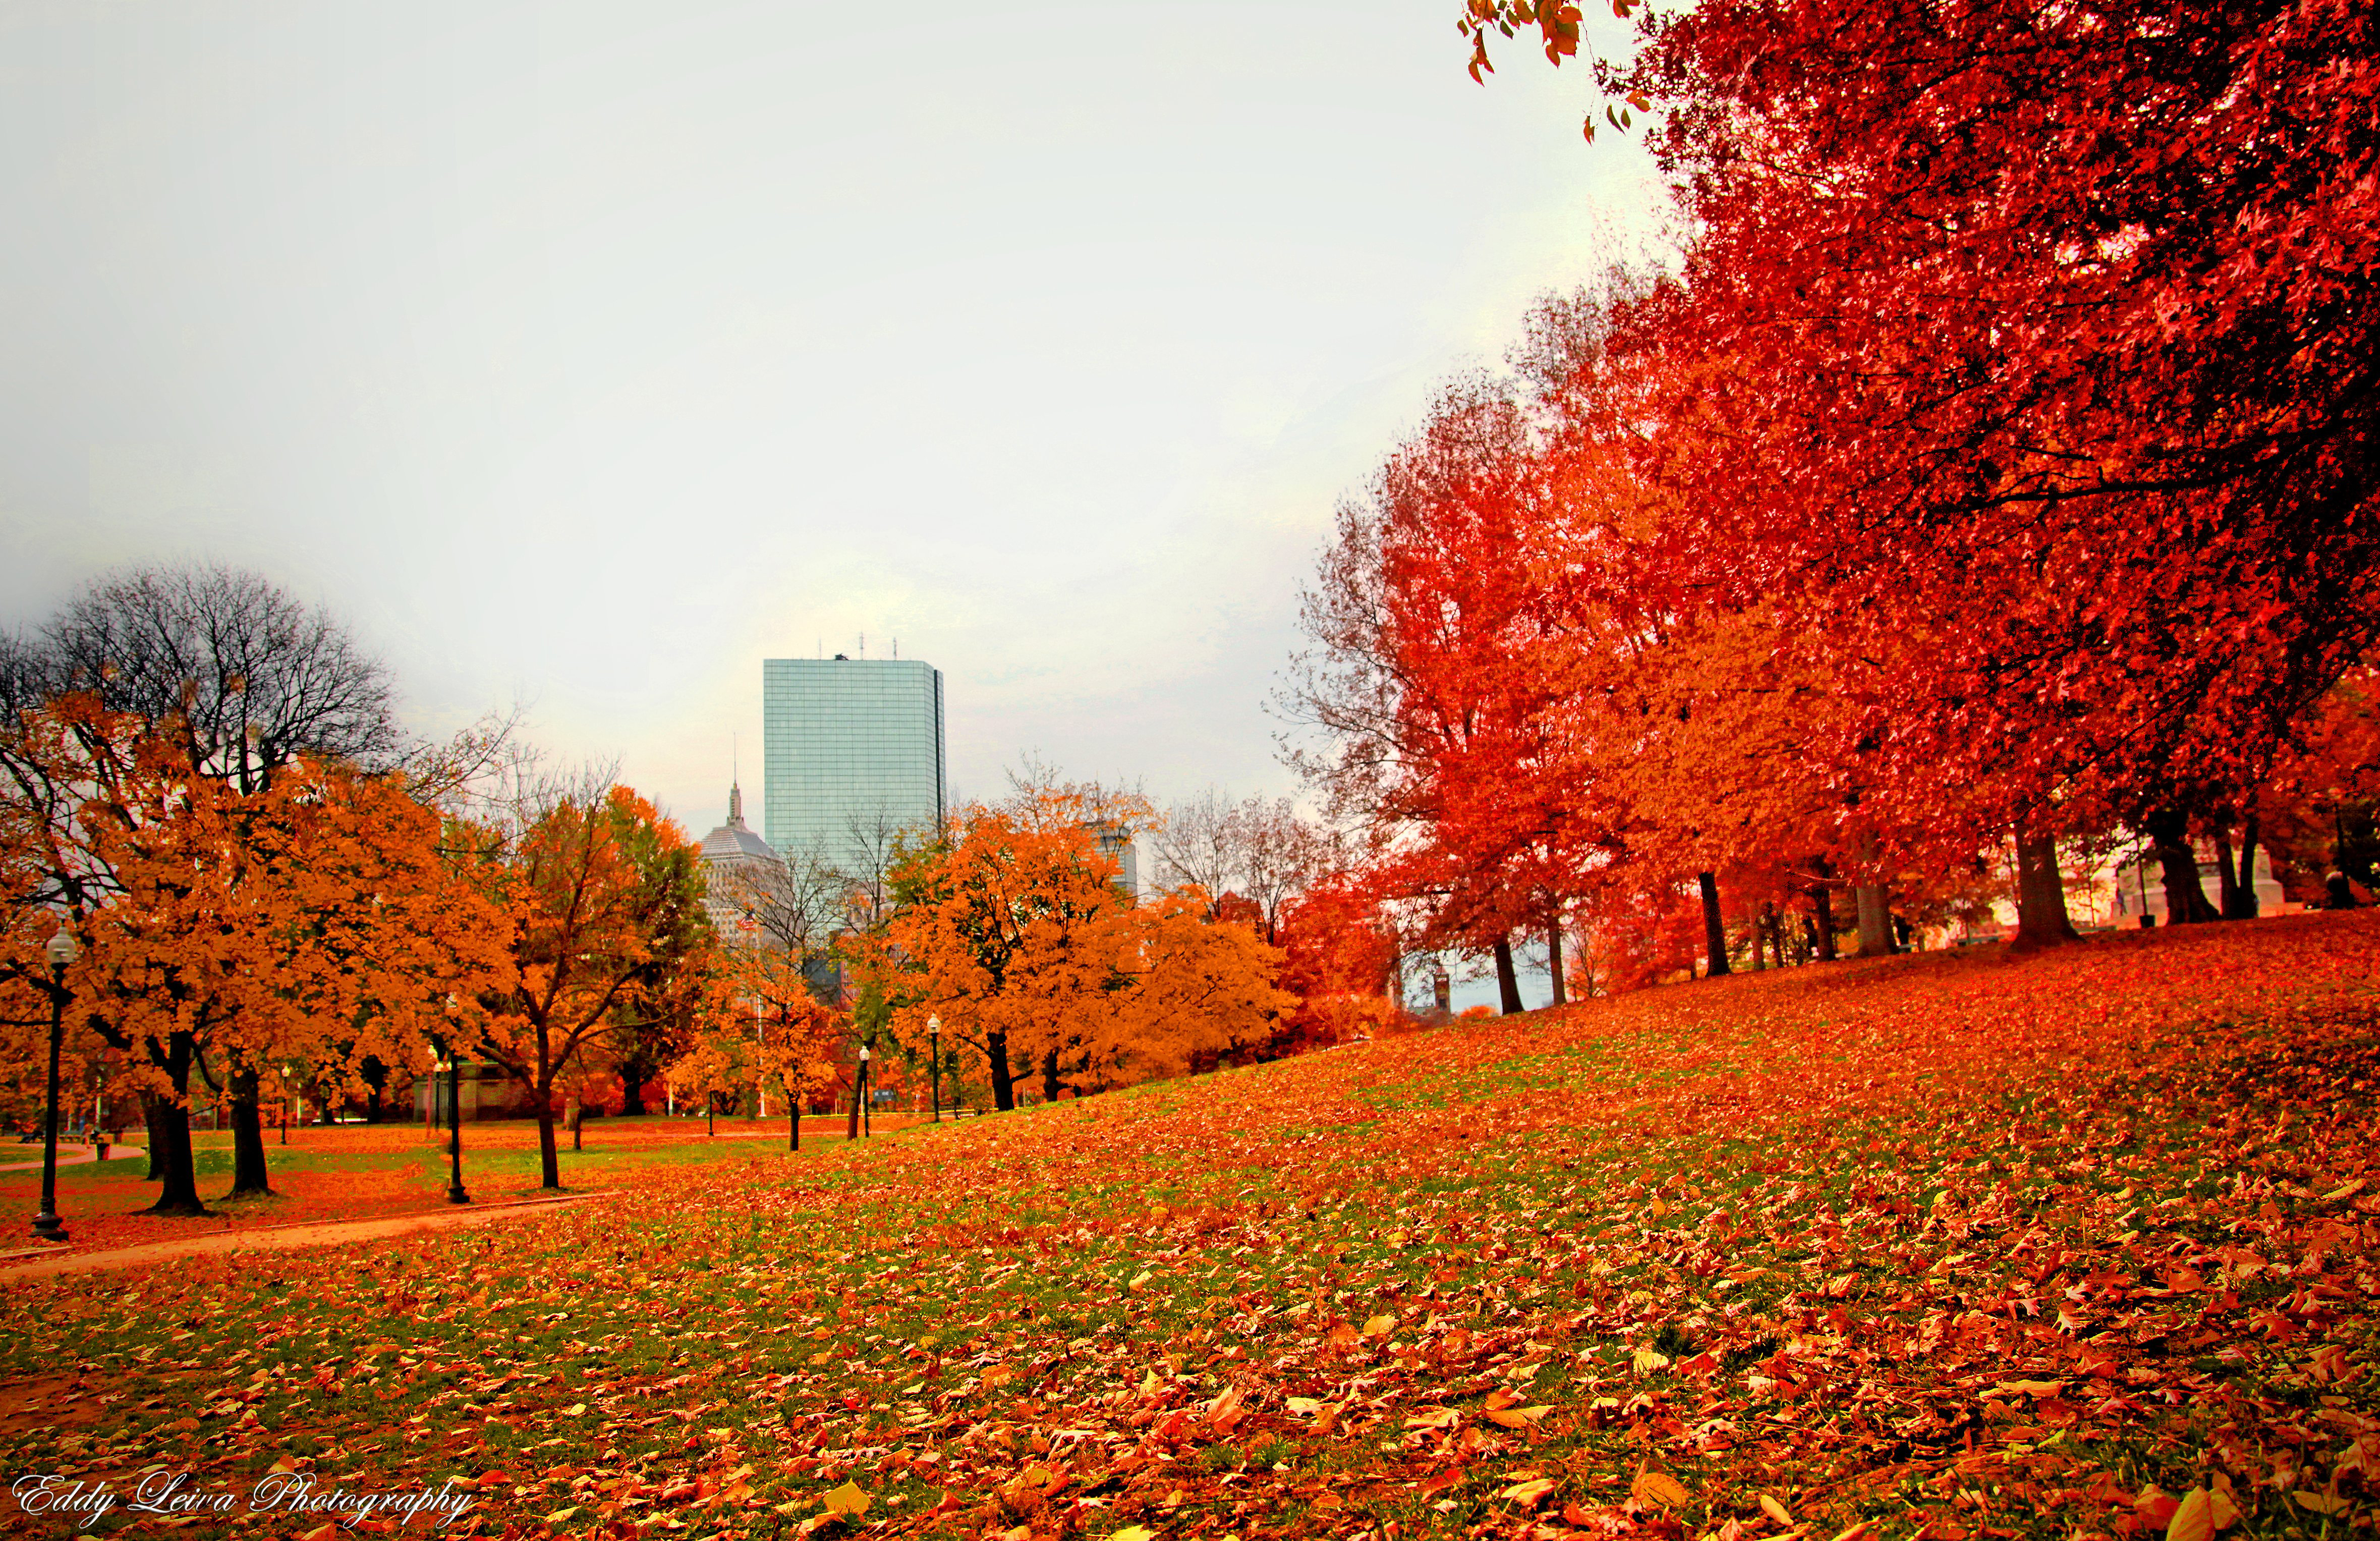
(63, 951)
(934, 1062)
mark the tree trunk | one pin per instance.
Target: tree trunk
(995, 1053)
(1822, 901)
(2250, 906)
(2185, 900)
(1714, 926)
(170, 1136)
(151, 1115)
(1050, 1076)
(2040, 895)
(632, 1093)
(794, 1102)
(248, 1177)
(1874, 911)
(1508, 983)
(578, 1123)
(549, 1157)
(1554, 955)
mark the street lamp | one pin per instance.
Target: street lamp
(63, 951)
(867, 1091)
(455, 1194)
(934, 1064)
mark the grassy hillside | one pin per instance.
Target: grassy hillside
(1945, 1245)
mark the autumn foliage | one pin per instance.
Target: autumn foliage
(1011, 931)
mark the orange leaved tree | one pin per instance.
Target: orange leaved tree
(1010, 928)
(607, 931)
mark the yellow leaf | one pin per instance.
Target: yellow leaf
(2194, 1521)
(1139, 1281)
(2349, 1191)
(1133, 1532)
(1528, 1492)
(1775, 1509)
(1443, 1418)
(2319, 1503)
(1380, 1326)
(562, 1516)
(576, 1410)
(1660, 1487)
(1651, 1360)
(846, 1501)
(1518, 1417)
(1304, 1407)
(2227, 1507)
(282, 1465)
(1501, 1398)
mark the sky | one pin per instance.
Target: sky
(584, 354)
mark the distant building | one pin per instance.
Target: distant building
(852, 751)
(1116, 845)
(739, 867)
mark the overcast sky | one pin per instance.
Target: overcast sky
(589, 353)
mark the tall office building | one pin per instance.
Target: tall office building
(850, 747)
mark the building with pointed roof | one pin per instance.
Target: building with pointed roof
(737, 866)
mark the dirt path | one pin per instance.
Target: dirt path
(45, 1263)
(81, 1155)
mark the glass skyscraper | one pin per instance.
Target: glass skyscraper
(852, 749)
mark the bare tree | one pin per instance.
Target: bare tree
(247, 677)
(872, 844)
(1258, 849)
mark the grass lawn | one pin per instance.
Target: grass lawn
(366, 1171)
(1951, 1246)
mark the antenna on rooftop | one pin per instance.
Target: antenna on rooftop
(896, 647)
(863, 644)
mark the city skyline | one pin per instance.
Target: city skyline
(582, 355)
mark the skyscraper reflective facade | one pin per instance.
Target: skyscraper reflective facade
(851, 748)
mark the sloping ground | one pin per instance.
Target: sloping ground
(1945, 1245)
(362, 1172)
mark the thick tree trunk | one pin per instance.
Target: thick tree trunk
(2236, 878)
(549, 1155)
(1714, 926)
(150, 1115)
(171, 1136)
(1822, 901)
(1507, 983)
(2250, 906)
(632, 1095)
(577, 1124)
(793, 1119)
(1004, 1088)
(1874, 906)
(2185, 899)
(248, 1177)
(1554, 955)
(2040, 895)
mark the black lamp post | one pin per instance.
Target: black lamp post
(63, 951)
(934, 1064)
(455, 1192)
(867, 1091)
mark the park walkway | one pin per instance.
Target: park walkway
(81, 1156)
(52, 1262)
